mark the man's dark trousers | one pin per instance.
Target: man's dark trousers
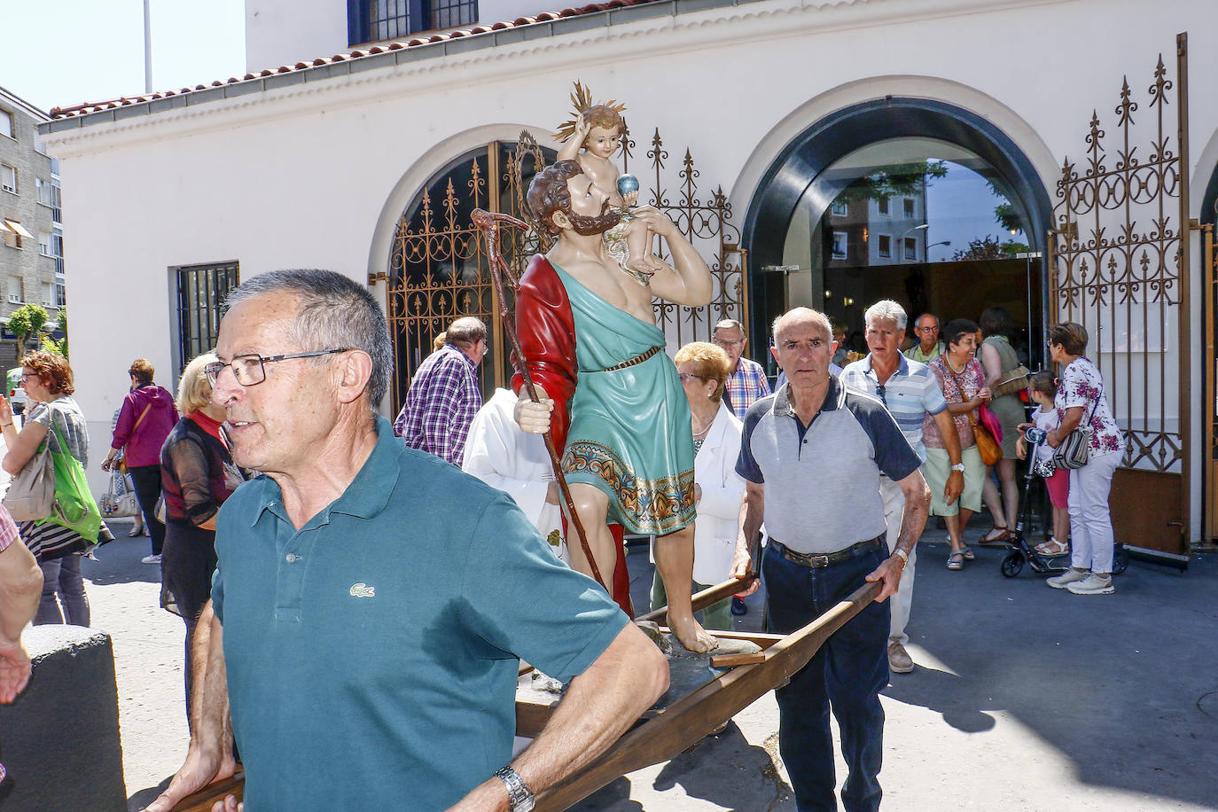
(847, 674)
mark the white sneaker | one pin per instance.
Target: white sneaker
(1068, 577)
(1094, 584)
(151, 559)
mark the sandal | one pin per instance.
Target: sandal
(1052, 548)
(1003, 535)
(966, 553)
(955, 561)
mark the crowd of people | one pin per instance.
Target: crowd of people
(903, 430)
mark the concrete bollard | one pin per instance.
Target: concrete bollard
(59, 742)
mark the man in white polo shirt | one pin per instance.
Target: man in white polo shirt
(911, 393)
(812, 456)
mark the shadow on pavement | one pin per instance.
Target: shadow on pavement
(1114, 683)
(144, 797)
(119, 561)
(613, 797)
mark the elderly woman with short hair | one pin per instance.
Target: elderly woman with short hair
(197, 476)
(718, 489)
(1082, 405)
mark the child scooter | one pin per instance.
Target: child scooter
(1021, 551)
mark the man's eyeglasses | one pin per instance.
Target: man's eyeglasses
(724, 343)
(686, 377)
(250, 370)
(879, 392)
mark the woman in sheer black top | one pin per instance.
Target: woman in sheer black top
(197, 475)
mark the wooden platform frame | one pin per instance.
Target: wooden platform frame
(669, 732)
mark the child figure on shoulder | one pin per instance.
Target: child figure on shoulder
(592, 138)
(1042, 388)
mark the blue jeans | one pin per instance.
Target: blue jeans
(61, 577)
(847, 675)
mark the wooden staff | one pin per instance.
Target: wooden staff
(488, 223)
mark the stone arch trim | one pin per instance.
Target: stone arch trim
(412, 182)
(796, 152)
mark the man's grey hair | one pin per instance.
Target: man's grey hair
(728, 324)
(465, 331)
(335, 311)
(806, 312)
(886, 310)
(918, 320)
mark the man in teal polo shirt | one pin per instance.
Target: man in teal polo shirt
(372, 602)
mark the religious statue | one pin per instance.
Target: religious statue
(592, 138)
(610, 394)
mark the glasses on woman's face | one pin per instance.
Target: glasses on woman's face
(686, 377)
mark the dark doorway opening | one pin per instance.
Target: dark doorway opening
(941, 213)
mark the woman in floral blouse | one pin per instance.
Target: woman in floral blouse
(1080, 398)
(962, 380)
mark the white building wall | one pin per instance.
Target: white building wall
(316, 174)
(284, 32)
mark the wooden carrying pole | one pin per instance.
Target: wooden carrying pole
(690, 719)
(488, 223)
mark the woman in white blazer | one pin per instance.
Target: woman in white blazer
(718, 488)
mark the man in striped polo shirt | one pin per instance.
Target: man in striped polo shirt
(911, 393)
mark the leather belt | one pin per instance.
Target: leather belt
(638, 359)
(819, 561)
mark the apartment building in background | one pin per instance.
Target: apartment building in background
(31, 223)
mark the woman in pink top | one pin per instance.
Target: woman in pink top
(147, 416)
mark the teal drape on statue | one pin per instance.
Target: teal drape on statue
(630, 431)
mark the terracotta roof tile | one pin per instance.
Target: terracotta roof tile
(85, 108)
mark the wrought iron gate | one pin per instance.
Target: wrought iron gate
(1119, 266)
(438, 269)
(706, 221)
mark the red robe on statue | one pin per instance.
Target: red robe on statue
(546, 329)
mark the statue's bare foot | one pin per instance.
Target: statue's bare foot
(691, 635)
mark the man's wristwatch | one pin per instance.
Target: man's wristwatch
(901, 554)
(958, 467)
(520, 797)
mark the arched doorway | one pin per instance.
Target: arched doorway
(909, 199)
(438, 269)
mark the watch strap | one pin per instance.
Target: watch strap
(520, 797)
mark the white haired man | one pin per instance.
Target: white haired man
(911, 393)
(746, 383)
(812, 455)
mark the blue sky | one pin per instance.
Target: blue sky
(63, 52)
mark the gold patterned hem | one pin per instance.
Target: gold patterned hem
(654, 507)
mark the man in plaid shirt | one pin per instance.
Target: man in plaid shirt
(444, 395)
(747, 383)
(20, 591)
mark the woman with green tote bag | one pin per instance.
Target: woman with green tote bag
(74, 525)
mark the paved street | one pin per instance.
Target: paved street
(1025, 698)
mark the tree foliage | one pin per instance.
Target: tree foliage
(894, 180)
(59, 346)
(990, 248)
(26, 322)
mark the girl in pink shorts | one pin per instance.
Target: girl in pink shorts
(1042, 388)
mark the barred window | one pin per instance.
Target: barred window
(202, 290)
